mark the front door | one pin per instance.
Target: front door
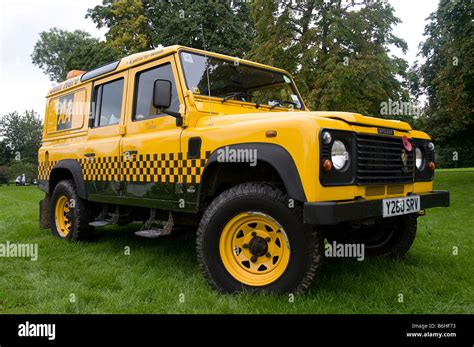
(151, 147)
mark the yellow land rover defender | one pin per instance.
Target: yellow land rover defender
(178, 136)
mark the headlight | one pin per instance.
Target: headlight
(339, 155)
(418, 158)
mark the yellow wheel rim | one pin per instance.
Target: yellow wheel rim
(254, 248)
(61, 214)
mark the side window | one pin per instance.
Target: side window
(144, 91)
(108, 103)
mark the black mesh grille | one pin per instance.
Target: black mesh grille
(379, 160)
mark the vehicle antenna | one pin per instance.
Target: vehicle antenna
(207, 73)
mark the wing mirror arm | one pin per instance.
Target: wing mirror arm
(177, 115)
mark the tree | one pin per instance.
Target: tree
(226, 25)
(337, 50)
(273, 35)
(129, 28)
(22, 135)
(5, 153)
(447, 78)
(4, 174)
(58, 51)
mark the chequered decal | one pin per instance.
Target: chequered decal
(44, 169)
(100, 168)
(158, 168)
(164, 168)
(192, 169)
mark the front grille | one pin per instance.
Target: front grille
(379, 160)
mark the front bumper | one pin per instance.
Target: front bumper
(330, 212)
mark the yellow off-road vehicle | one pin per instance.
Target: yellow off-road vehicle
(178, 136)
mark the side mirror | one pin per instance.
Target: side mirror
(162, 94)
(162, 99)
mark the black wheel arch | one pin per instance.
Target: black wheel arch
(272, 154)
(68, 168)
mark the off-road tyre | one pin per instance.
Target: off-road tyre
(305, 242)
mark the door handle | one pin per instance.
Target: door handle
(89, 155)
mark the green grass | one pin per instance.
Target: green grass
(459, 169)
(154, 276)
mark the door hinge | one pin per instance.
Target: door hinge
(122, 129)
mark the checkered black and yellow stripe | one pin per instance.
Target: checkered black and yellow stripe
(100, 168)
(192, 169)
(44, 169)
(158, 168)
(164, 168)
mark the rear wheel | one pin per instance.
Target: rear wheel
(69, 214)
(249, 239)
(391, 237)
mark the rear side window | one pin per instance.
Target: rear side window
(144, 92)
(108, 103)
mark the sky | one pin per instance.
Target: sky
(24, 86)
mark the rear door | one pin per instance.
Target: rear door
(151, 147)
(101, 152)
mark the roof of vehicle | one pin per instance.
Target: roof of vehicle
(138, 59)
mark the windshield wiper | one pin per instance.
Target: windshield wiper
(233, 95)
(282, 102)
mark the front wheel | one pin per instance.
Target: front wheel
(249, 239)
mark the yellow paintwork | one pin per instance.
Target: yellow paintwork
(235, 252)
(232, 122)
(146, 136)
(355, 118)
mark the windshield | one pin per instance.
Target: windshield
(231, 80)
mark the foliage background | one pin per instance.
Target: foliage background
(21, 138)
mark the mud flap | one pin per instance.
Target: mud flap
(44, 211)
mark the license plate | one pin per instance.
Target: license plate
(400, 206)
